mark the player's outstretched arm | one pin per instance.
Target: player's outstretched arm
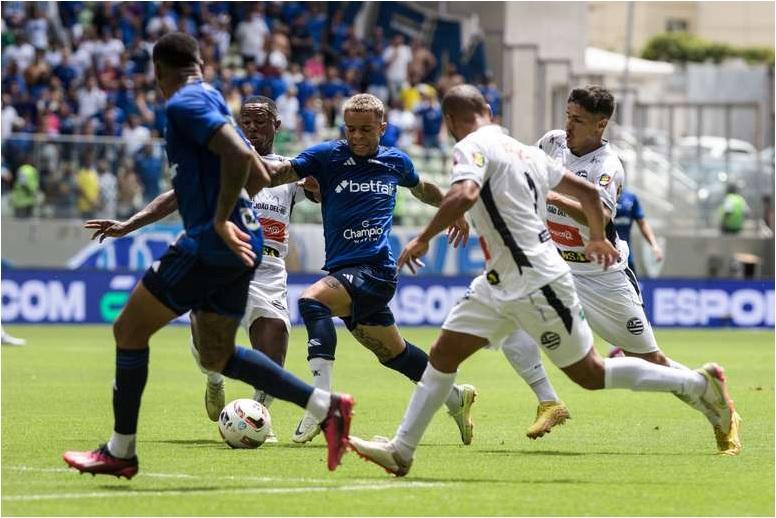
(160, 207)
(460, 198)
(281, 172)
(573, 208)
(430, 194)
(646, 231)
(598, 248)
(236, 163)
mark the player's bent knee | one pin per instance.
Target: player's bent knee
(311, 309)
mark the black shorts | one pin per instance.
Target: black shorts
(371, 288)
(182, 282)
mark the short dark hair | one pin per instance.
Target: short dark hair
(260, 99)
(177, 49)
(464, 100)
(595, 99)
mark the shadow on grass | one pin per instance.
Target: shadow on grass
(190, 442)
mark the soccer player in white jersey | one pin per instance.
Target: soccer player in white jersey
(526, 285)
(611, 298)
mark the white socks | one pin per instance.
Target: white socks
(544, 390)
(432, 390)
(321, 370)
(523, 355)
(122, 445)
(318, 404)
(638, 374)
(216, 378)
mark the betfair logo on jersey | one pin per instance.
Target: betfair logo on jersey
(604, 180)
(479, 159)
(378, 187)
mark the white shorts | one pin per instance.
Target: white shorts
(551, 315)
(613, 305)
(267, 297)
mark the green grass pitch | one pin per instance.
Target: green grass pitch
(621, 454)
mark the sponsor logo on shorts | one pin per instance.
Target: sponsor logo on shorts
(279, 305)
(581, 174)
(565, 235)
(493, 277)
(573, 257)
(551, 340)
(635, 326)
(544, 236)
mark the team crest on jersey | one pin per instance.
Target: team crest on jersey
(479, 159)
(604, 180)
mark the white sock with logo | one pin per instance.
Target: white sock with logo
(638, 374)
(321, 370)
(432, 390)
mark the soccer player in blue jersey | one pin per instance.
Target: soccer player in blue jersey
(207, 270)
(358, 180)
(629, 210)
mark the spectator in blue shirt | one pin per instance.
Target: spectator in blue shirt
(376, 82)
(148, 167)
(430, 114)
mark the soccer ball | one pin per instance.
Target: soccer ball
(244, 423)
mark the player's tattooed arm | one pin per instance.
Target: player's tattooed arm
(281, 172)
(427, 192)
(160, 207)
(573, 208)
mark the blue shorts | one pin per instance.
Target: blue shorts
(371, 288)
(180, 281)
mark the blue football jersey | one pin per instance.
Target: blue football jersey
(358, 197)
(194, 113)
(628, 210)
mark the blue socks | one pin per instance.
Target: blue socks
(131, 376)
(411, 362)
(322, 337)
(258, 370)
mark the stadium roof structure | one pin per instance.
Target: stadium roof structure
(604, 62)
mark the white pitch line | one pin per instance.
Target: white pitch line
(196, 477)
(238, 491)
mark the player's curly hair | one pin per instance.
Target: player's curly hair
(595, 99)
(365, 103)
(177, 49)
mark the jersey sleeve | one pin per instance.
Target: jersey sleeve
(637, 211)
(310, 162)
(609, 183)
(555, 170)
(469, 163)
(195, 117)
(410, 178)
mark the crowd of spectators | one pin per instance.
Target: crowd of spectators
(76, 72)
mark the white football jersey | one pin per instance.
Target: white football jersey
(274, 205)
(603, 169)
(514, 179)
